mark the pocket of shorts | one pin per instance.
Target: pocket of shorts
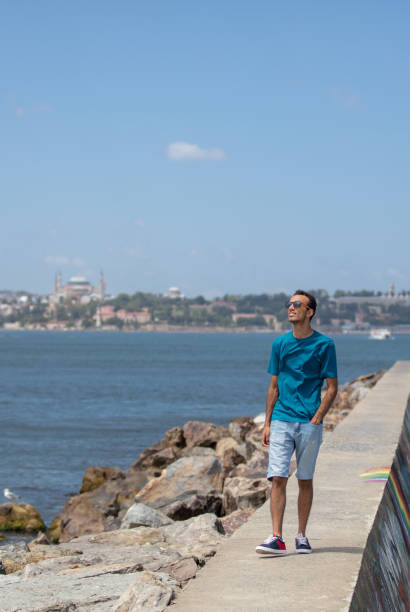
(315, 426)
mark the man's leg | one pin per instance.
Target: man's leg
(280, 451)
(278, 503)
(308, 443)
(304, 503)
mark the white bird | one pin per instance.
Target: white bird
(10, 495)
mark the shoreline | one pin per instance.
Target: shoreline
(207, 434)
(180, 329)
(164, 530)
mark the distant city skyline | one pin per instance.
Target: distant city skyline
(222, 148)
(59, 281)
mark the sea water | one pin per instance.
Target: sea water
(73, 399)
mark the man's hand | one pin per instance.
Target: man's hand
(316, 420)
(326, 401)
(265, 435)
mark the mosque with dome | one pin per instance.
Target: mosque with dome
(77, 289)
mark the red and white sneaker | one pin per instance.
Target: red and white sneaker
(273, 545)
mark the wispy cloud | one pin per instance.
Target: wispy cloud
(345, 96)
(396, 274)
(62, 260)
(139, 223)
(137, 253)
(20, 110)
(198, 253)
(185, 151)
(227, 254)
(78, 262)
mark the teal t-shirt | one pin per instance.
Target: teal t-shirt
(301, 366)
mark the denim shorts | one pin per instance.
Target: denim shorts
(286, 437)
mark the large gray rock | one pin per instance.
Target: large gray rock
(239, 427)
(188, 487)
(199, 536)
(244, 493)
(93, 571)
(174, 438)
(53, 565)
(95, 476)
(348, 396)
(231, 458)
(154, 461)
(256, 467)
(15, 557)
(119, 537)
(142, 515)
(107, 557)
(97, 510)
(253, 442)
(236, 519)
(194, 505)
(199, 433)
(63, 593)
(197, 451)
(149, 591)
(225, 444)
(161, 454)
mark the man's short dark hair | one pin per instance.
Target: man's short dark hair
(312, 300)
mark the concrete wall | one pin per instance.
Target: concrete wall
(383, 580)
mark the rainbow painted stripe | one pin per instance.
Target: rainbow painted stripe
(385, 474)
(380, 474)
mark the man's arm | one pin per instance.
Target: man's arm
(326, 401)
(272, 396)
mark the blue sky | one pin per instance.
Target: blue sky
(220, 146)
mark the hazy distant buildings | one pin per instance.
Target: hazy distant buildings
(107, 312)
(174, 292)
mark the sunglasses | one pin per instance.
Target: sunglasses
(296, 304)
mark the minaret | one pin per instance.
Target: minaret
(98, 321)
(101, 286)
(57, 283)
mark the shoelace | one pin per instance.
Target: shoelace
(302, 539)
(271, 538)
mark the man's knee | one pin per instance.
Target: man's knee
(279, 482)
(305, 484)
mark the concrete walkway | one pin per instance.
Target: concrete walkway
(342, 515)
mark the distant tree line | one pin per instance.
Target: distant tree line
(198, 311)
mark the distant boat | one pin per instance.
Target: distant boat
(380, 334)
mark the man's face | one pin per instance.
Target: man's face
(299, 314)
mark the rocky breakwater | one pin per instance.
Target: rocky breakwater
(132, 568)
(131, 539)
(191, 471)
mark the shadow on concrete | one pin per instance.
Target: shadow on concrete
(353, 550)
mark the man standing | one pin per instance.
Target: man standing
(300, 361)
